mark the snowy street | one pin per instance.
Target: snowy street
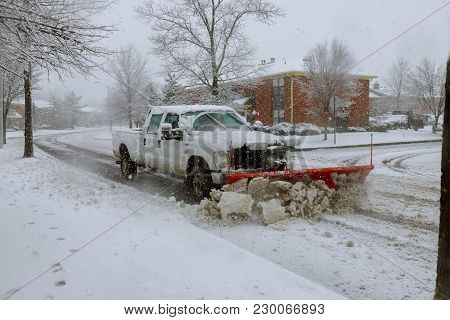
(69, 234)
(385, 249)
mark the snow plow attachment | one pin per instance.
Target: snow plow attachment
(332, 176)
(328, 175)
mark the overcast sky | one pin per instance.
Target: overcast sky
(363, 25)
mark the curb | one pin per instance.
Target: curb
(368, 145)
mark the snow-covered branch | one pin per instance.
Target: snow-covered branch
(57, 35)
(328, 68)
(427, 83)
(203, 41)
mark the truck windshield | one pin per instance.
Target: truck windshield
(218, 120)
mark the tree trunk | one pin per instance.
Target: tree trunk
(215, 86)
(28, 148)
(130, 117)
(443, 263)
(5, 114)
(325, 134)
(435, 124)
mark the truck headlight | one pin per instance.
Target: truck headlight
(221, 159)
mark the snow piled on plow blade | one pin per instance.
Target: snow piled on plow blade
(269, 202)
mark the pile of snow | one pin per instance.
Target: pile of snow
(269, 202)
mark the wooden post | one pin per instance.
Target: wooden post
(443, 263)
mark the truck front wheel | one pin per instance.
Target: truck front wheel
(200, 180)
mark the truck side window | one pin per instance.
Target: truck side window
(204, 123)
(173, 119)
(154, 123)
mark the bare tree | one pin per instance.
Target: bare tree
(12, 88)
(427, 84)
(148, 97)
(203, 41)
(172, 91)
(128, 69)
(443, 263)
(57, 35)
(328, 68)
(396, 79)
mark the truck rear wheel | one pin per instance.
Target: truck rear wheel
(128, 167)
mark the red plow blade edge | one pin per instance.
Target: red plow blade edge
(324, 174)
(327, 175)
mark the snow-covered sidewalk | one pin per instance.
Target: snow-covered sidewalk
(46, 132)
(52, 214)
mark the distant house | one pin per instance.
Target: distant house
(382, 101)
(89, 117)
(280, 96)
(16, 114)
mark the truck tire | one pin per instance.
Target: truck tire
(128, 167)
(200, 180)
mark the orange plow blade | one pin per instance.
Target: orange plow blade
(324, 174)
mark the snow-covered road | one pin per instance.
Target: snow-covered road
(386, 249)
(69, 234)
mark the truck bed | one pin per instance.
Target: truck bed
(132, 139)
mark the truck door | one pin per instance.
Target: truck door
(172, 154)
(152, 142)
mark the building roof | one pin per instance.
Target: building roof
(13, 114)
(88, 109)
(192, 108)
(40, 104)
(295, 67)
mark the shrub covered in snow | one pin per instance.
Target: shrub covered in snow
(356, 129)
(307, 129)
(283, 128)
(286, 129)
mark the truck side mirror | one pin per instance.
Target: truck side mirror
(258, 124)
(166, 128)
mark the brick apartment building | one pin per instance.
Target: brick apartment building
(280, 97)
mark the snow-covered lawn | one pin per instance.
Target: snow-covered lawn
(79, 227)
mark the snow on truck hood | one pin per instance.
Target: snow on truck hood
(222, 140)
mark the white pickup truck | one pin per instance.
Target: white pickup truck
(204, 144)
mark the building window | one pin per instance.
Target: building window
(277, 100)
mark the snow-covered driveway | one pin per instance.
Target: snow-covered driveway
(386, 249)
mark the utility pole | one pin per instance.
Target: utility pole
(334, 116)
(443, 263)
